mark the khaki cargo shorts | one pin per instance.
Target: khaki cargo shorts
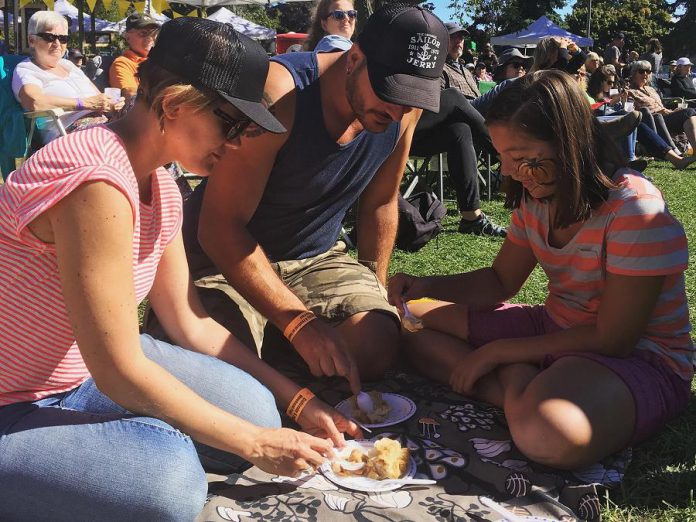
(333, 285)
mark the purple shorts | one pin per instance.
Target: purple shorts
(658, 393)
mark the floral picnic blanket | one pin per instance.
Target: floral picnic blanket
(463, 444)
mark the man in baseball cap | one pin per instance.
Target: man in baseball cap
(269, 217)
(454, 74)
(141, 31)
(682, 85)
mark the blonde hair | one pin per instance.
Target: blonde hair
(157, 83)
(42, 20)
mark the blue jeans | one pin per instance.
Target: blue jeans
(79, 456)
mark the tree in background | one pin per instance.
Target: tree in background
(639, 20)
(503, 16)
(257, 14)
(295, 16)
(681, 41)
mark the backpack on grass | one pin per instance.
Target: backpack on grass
(420, 220)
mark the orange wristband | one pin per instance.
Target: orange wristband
(297, 324)
(298, 403)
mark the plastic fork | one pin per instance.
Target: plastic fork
(410, 321)
(406, 482)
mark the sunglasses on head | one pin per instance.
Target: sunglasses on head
(50, 37)
(340, 15)
(232, 127)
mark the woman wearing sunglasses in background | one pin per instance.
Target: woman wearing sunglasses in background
(333, 25)
(47, 81)
(511, 64)
(599, 88)
(663, 120)
(98, 422)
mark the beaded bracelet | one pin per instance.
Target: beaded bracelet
(298, 403)
(299, 322)
(80, 105)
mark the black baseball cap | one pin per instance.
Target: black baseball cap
(405, 47)
(214, 56)
(454, 28)
(140, 21)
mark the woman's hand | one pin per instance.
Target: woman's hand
(283, 451)
(99, 103)
(321, 420)
(404, 287)
(473, 366)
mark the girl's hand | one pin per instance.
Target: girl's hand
(321, 420)
(283, 451)
(404, 287)
(473, 366)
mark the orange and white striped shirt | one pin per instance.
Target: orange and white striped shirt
(631, 234)
(38, 353)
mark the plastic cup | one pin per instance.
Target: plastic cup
(613, 92)
(628, 106)
(113, 93)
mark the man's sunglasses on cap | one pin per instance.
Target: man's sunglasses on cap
(340, 15)
(50, 37)
(232, 127)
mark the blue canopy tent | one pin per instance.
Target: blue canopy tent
(541, 28)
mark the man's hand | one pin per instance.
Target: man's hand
(325, 353)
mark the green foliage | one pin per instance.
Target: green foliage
(681, 41)
(259, 15)
(639, 20)
(292, 17)
(503, 16)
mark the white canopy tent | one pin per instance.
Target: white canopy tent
(244, 26)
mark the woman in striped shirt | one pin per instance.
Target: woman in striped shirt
(97, 422)
(607, 360)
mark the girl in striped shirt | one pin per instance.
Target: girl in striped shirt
(607, 360)
(97, 422)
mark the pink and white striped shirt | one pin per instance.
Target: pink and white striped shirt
(631, 234)
(38, 353)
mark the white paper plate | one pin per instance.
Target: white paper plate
(400, 409)
(364, 484)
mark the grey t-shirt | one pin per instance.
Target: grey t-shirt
(611, 54)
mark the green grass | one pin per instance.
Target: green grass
(660, 483)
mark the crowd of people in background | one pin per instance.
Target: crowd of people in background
(92, 224)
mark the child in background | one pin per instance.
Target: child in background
(607, 360)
